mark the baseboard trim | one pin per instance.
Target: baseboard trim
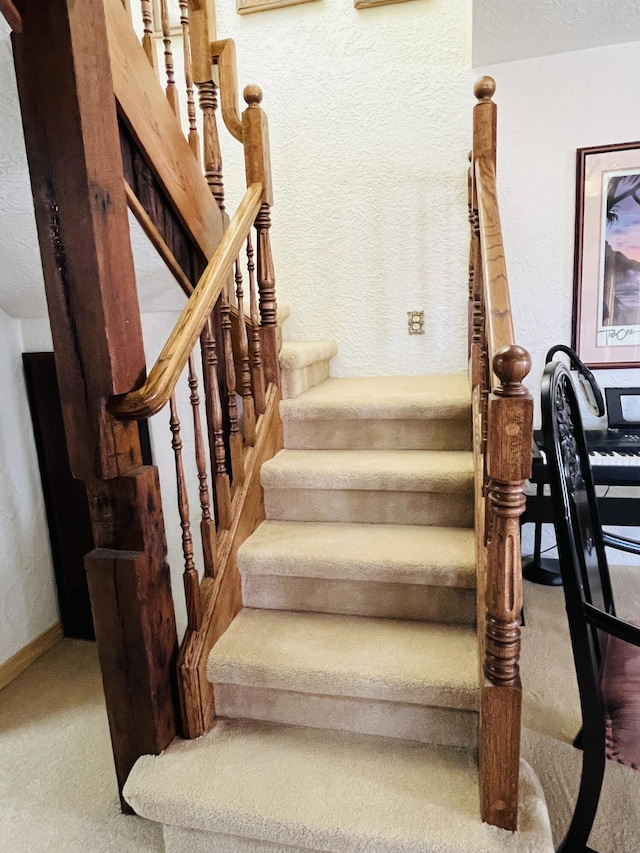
(16, 664)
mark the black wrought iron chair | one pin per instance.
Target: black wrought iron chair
(605, 648)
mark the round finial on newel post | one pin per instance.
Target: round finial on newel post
(511, 364)
(252, 95)
(485, 88)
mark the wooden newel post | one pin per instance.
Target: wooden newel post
(485, 121)
(257, 158)
(508, 466)
(70, 125)
(510, 417)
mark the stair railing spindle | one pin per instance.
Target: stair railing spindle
(194, 140)
(147, 25)
(248, 407)
(257, 372)
(212, 156)
(190, 575)
(171, 90)
(235, 438)
(207, 524)
(214, 420)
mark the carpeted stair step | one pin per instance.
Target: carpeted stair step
(396, 571)
(413, 680)
(304, 364)
(370, 486)
(250, 787)
(378, 413)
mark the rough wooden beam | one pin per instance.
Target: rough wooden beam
(73, 149)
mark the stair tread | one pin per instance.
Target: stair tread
(386, 659)
(386, 553)
(383, 470)
(330, 791)
(388, 397)
(297, 354)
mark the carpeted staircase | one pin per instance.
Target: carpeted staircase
(347, 689)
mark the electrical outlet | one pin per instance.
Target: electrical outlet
(415, 320)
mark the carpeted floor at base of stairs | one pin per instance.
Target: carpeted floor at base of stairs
(347, 688)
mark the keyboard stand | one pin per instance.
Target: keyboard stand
(542, 570)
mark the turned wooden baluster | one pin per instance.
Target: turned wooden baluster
(147, 26)
(257, 373)
(248, 407)
(235, 438)
(191, 580)
(267, 291)
(215, 428)
(171, 91)
(257, 160)
(193, 138)
(202, 31)
(207, 524)
(212, 157)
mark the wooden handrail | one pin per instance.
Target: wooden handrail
(223, 53)
(157, 389)
(494, 268)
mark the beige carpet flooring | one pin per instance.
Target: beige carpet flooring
(57, 785)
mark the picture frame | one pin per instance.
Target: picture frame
(606, 303)
(247, 7)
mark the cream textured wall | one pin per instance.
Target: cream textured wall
(369, 119)
(27, 590)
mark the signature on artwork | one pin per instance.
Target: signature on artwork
(619, 334)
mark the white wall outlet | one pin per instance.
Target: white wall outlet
(415, 320)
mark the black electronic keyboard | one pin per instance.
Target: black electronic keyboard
(614, 457)
(615, 461)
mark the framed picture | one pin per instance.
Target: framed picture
(606, 305)
(245, 7)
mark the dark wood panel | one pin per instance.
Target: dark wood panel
(65, 498)
(142, 180)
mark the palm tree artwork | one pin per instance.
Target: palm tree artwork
(621, 274)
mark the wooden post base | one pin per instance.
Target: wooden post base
(137, 649)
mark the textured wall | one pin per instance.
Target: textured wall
(28, 598)
(369, 118)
